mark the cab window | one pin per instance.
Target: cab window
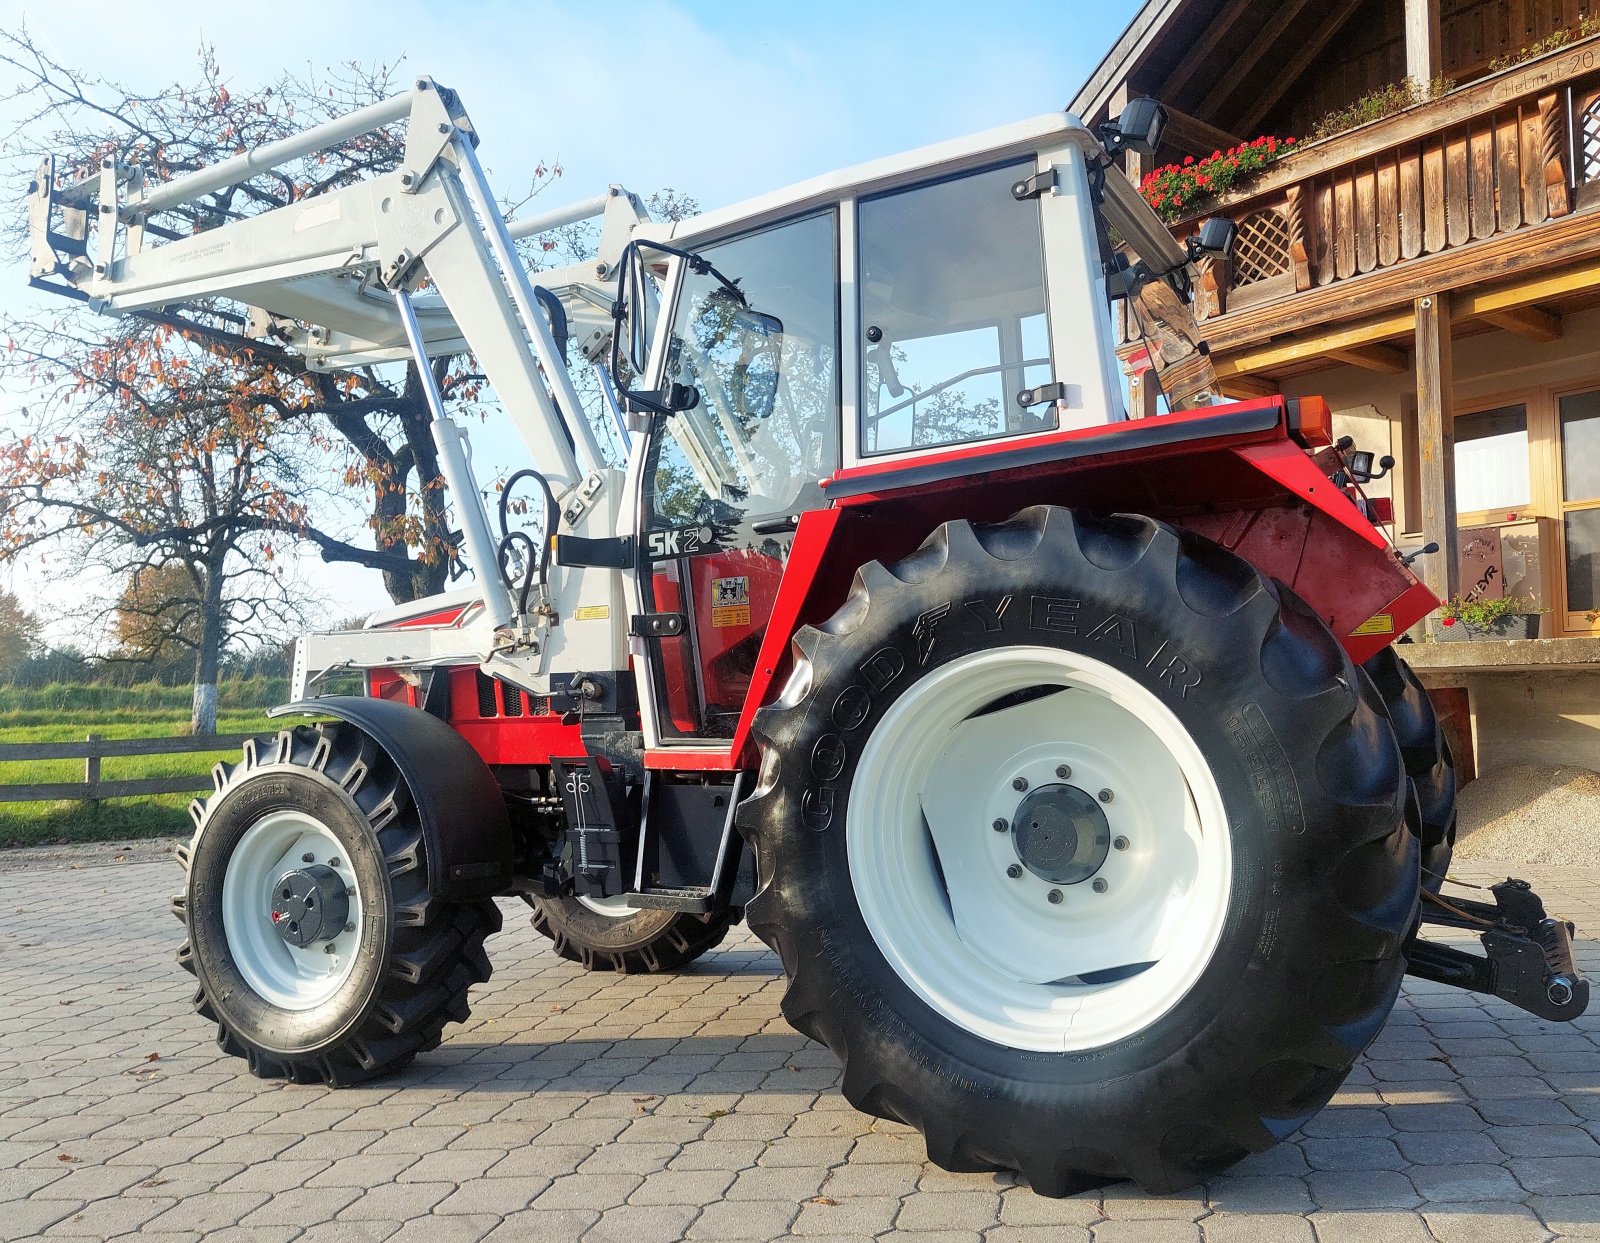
(952, 291)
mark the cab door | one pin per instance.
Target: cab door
(726, 480)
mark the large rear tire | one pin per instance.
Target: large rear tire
(609, 935)
(319, 951)
(1430, 768)
(1145, 976)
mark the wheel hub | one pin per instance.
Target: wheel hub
(310, 904)
(1060, 834)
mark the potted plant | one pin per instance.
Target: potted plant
(1509, 617)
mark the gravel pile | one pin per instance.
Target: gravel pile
(1531, 813)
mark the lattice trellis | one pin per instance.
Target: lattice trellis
(1262, 248)
(1589, 142)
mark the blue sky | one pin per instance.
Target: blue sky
(718, 100)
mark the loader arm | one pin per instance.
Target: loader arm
(410, 264)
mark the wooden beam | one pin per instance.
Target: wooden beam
(1436, 442)
(1384, 359)
(1242, 387)
(1580, 278)
(1289, 74)
(1281, 353)
(1509, 301)
(1196, 136)
(1423, 60)
(1262, 40)
(1528, 321)
(1565, 253)
(1149, 23)
(1200, 55)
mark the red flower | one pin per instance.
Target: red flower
(1447, 621)
(1188, 160)
(1288, 142)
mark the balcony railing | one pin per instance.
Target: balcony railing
(1520, 148)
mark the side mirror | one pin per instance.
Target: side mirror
(1139, 128)
(1216, 237)
(636, 323)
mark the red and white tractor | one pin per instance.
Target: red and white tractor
(1063, 758)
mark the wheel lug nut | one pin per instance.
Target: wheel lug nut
(350, 927)
(1119, 843)
(1019, 783)
(1106, 796)
(328, 948)
(333, 863)
(1000, 826)
(308, 857)
(1063, 771)
(1055, 897)
(1014, 871)
(1100, 886)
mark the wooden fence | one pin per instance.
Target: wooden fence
(92, 750)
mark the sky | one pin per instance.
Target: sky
(721, 101)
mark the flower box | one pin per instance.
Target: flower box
(1511, 626)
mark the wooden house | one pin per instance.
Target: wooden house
(1426, 257)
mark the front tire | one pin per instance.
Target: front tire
(1245, 947)
(319, 951)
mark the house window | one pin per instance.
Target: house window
(1580, 497)
(1491, 460)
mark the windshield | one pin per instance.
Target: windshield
(762, 359)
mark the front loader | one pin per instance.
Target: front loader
(1065, 759)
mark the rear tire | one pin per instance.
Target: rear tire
(625, 940)
(1086, 1077)
(373, 988)
(1430, 768)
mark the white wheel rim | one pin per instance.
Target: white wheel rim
(617, 906)
(288, 976)
(993, 953)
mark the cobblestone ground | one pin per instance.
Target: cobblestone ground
(637, 1109)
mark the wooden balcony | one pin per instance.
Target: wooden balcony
(1488, 191)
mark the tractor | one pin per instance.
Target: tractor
(1066, 759)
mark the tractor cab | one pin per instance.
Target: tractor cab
(944, 305)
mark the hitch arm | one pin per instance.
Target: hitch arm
(1527, 956)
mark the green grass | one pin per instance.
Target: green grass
(68, 714)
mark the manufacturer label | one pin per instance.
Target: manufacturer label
(1378, 623)
(592, 612)
(730, 601)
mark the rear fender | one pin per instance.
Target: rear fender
(459, 802)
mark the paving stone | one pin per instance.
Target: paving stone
(1370, 1227)
(744, 1220)
(1164, 1230)
(955, 1210)
(1255, 1227)
(859, 1217)
(1352, 1153)
(1460, 1183)
(1546, 1141)
(657, 1223)
(1484, 1223)
(1561, 1176)
(1358, 1189)
(1273, 1194)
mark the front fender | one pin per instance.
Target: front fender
(463, 813)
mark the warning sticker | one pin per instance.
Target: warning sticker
(1378, 623)
(730, 601)
(592, 612)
